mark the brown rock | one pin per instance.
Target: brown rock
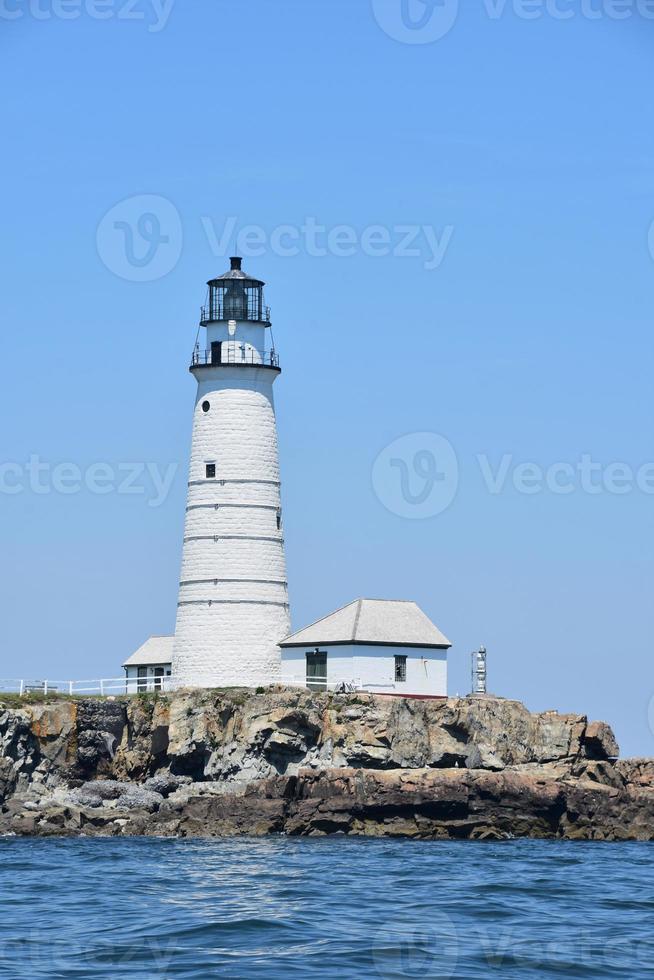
(599, 741)
(637, 772)
(300, 762)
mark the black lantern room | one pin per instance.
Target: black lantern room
(235, 296)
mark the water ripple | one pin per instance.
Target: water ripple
(278, 908)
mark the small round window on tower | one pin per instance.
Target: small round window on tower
(206, 406)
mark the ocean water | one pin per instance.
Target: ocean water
(324, 908)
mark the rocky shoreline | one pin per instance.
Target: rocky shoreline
(217, 763)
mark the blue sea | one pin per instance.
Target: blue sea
(325, 908)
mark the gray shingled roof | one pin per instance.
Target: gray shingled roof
(156, 650)
(381, 622)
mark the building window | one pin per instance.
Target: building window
(317, 670)
(206, 406)
(211, 471)
(142, 683)
(400, 670)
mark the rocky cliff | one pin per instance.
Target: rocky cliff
(292, 761)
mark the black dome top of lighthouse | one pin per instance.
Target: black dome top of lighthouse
(236, 272)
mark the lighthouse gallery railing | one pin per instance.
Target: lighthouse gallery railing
(234, 357)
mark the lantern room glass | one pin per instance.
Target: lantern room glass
(236, 299)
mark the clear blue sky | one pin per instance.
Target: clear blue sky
(530, 140)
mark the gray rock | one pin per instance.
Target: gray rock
(139, 799)
(105, 789)
(100, 728)
(7, 778)
(166, 783)
(122, 796)
(81, 798)
(481, 757)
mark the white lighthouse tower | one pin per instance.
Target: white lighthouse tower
(233, 595)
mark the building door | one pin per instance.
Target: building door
(158, 678)
(217, 352)
(317, 671)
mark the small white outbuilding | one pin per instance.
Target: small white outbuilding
(376, 645)
(149, 669)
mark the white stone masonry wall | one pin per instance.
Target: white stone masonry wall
(233, 596)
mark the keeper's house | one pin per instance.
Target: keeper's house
(374, 645)
(149, 669)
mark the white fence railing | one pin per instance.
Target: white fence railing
(152, 685)
(104, 686)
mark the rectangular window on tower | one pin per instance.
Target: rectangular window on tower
(400, 669)
(211, 471)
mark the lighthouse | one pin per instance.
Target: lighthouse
(233, 596)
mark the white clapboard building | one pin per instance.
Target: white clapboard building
(150, 667)
(375, 645)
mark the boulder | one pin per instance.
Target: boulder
(166, 783)
(54, 726)
(7, 778)
(137, 798)
(638, 773)
(100, 728)
(599, 741)
(124, 796)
